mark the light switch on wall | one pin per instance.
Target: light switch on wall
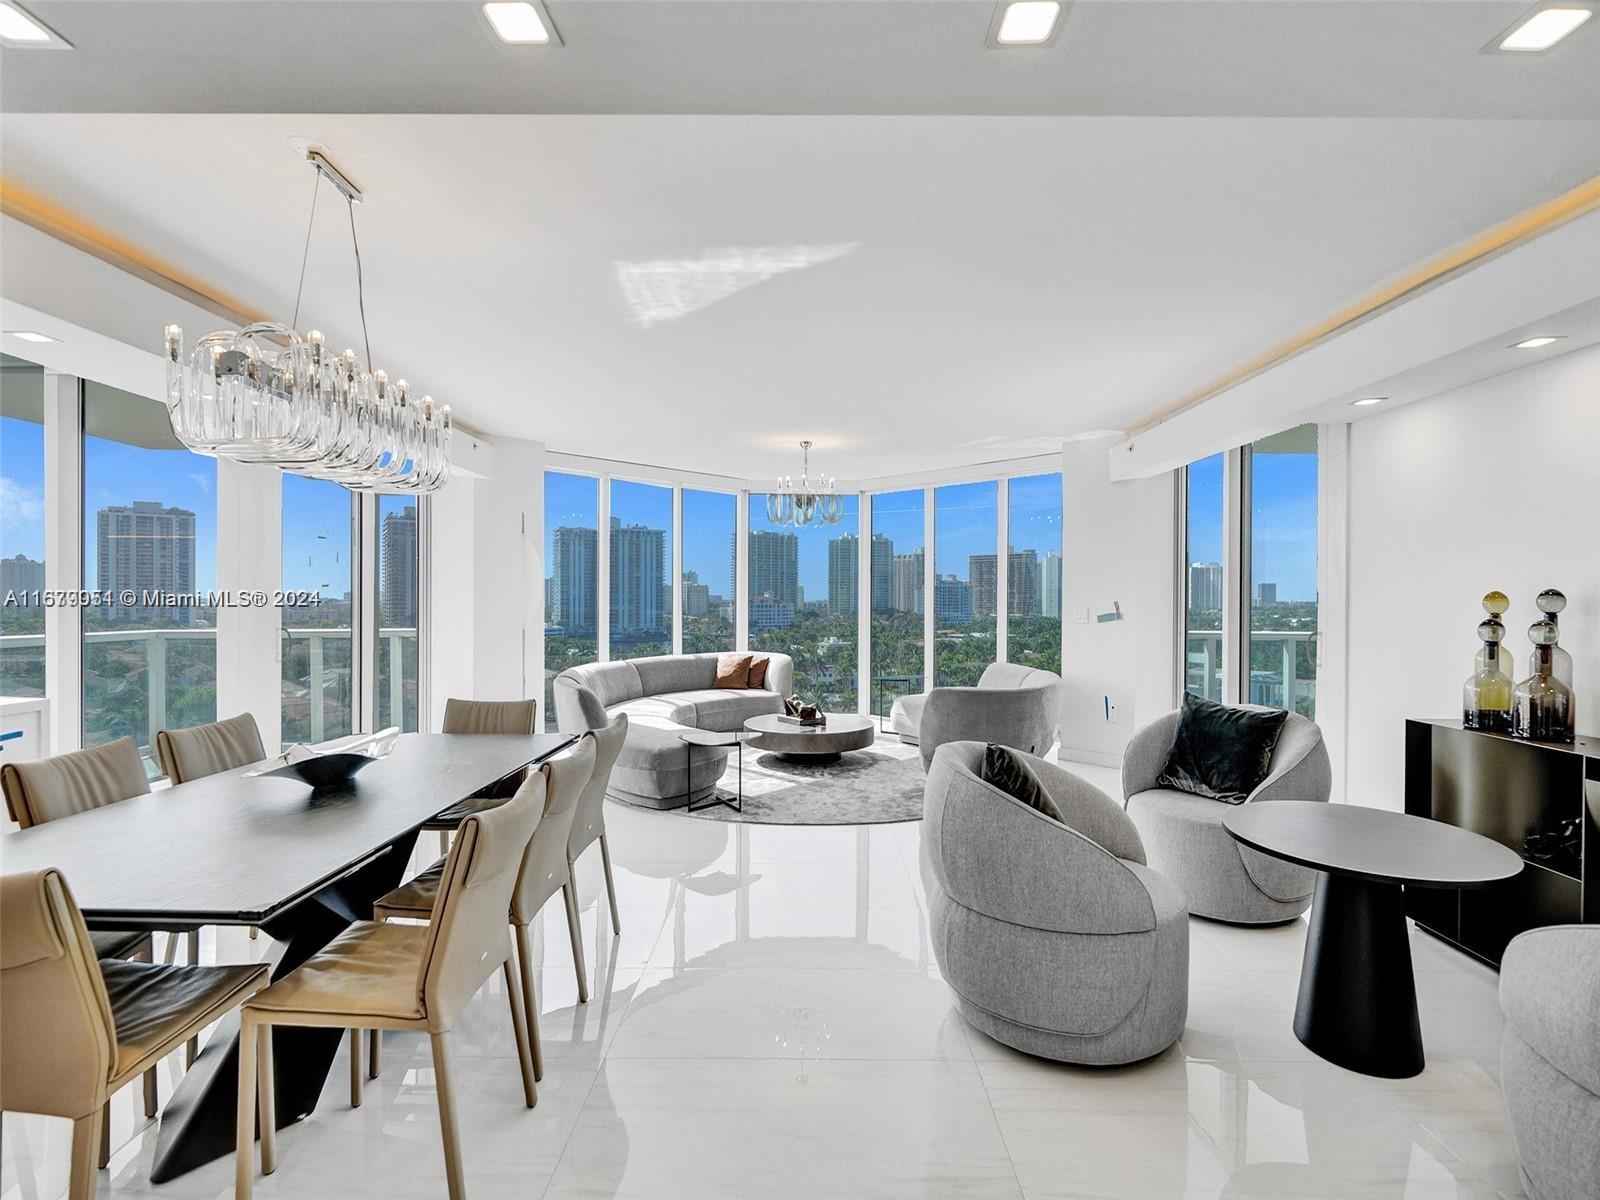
(1080, 616)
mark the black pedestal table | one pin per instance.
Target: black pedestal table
(230, 850)
(1358, 999)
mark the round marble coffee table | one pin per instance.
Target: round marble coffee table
(810, 743)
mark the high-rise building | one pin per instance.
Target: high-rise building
(842, 574)
(882, 573)
(775, 566)
(696, 595)
(1050, 585)
(573, 586)
(146, 546)
(906, 589)
(1022, 585)
(638, 579)
(397, 587)
(952, 601)
(1266, 593)
(20, 573)
(768, 612)
(1205, 586)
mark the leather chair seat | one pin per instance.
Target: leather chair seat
(371, 969)
(154, 1005)
(414, 898)
(119, 943)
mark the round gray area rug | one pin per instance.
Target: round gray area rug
(875, 786)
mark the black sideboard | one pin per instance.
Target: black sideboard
(1541, 799)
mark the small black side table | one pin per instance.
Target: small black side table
(1358, 997)
(711, 737)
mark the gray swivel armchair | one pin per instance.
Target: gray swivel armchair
(1056, 937)
(1550, 1058)
(1222, 879)
(1012, 706)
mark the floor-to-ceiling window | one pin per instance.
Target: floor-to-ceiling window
(1204, 669)
(317, 645)
(709, 535)
(803, 601)
(1033, 577)
(899, 554)
(1282, 598)
(571, 587)
(398, 600)
(966, 581)
(641, 569)
(22, 501)
(149, 547)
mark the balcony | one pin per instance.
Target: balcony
(137, 681)
(1282, 675)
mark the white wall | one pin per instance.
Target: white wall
(1494, 485)
(1117, 547)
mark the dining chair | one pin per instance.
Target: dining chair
(389, 975)
(589, 822)
(74, 1030)
(545, 871)
(203, 750)
(80, 781)
(483, 716)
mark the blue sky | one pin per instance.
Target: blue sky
(316, 536)
(1283, 520)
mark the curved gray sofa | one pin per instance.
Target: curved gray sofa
(663, 696)
(1550, 1058)
(1012, 706)
(1057, 939)
(1224, 880)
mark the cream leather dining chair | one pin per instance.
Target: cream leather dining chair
(203, 750)
(73, 1031)
(81, 781)
(483, 716)
(544, 872)
(589, 822)
(389, 975)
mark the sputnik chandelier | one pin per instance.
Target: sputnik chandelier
(271, 395)
(809, 502)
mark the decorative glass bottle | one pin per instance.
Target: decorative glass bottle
(1486, 699)
(1541, 705)
(1496, 605)
(1550, 603)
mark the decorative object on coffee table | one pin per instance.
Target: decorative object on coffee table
(797, 712)
(817, 743)
(1541, 705)
(1358, 999)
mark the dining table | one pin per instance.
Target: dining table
(241, 848)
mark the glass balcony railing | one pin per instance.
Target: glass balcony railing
(1277, 675)
(137, 681)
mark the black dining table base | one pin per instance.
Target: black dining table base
(198, 1125)
(1357, 1006)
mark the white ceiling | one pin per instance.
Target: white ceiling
(912, 292)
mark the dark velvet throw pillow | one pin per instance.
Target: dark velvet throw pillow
(1002, 768)
(1221, 753)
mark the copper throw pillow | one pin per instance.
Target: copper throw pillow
(733, 671)
(1003, 768)
(1220, 752)
(758, 671)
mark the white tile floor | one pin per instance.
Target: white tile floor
(771, 1024)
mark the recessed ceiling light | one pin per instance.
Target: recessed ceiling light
(518, 24)
(1544, 27)
(29, 335)
(1028, 22)
(1534, 343)
(1366, 400)
(20, 29)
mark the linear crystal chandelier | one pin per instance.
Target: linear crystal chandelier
(809, 502)
(271, 395)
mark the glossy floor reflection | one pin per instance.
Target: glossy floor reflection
(771, 1023)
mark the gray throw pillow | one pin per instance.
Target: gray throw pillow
(1003, 768)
